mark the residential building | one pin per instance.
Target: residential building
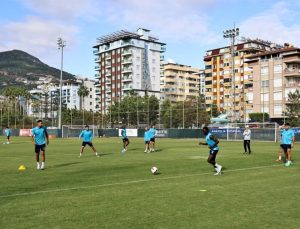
(180, 82)
(220, 89)
(276, 73)
(127, 62)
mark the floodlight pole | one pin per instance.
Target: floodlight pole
(61, 44)
(232, 34)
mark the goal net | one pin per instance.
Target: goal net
(234, 131)
(75, 130)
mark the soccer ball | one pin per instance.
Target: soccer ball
(154, 170)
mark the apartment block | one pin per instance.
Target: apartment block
(180, 82)
(127, 62)
(235, 98)
(275, 73)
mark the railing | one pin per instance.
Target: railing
(292, 70)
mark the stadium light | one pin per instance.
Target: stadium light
(232, 34)
(61, 44)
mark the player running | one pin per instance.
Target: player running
(147, 140)
(288, 140)
(87, 137)
(7, 132)
(39, 139)
(152, 135)
(124, 139)
(212, 143)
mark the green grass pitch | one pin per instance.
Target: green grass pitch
(118, 190)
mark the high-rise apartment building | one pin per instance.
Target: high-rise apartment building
(180, 82)
(219, 85)
(127, 62)
(276, 73)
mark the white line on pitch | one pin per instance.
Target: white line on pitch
(131, 182)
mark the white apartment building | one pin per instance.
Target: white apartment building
(126, 62)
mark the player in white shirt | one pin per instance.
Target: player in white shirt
(247, 139)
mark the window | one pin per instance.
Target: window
(264, 97)
(277, 82)
(264, 70)
(153, 61)
(137, 67)
(265, 83)
(278, 96)
(278, 109)
(278, 68)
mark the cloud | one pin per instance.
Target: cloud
(276, 24)
(176, 20)
(36, 36)
(63, 10)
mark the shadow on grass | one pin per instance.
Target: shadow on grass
(66, 164)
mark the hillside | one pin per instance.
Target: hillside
(22, 69)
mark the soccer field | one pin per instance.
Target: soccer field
(118, 190)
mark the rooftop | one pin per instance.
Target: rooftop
(123, 34)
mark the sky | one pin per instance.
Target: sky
(188, 27)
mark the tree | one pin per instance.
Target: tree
(293, 108)
(83, 91)
(259, 117)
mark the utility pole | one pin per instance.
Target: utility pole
(61, 44)
(232, 34)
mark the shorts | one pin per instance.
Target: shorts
(125, 140)
(7, 137)
(39, 148)
(213, 153)
(87, 143)
(147, 142)
(285, 147)
(152, 139)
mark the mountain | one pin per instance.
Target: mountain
(18, 68)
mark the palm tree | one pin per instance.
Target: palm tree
(83, 92)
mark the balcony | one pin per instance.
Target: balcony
(97, 60)
(97, 92)
(125, 43)
(127, 87)
(96, 51)
(108, 65)
(97, 84)
(292, 72)
(108, 73)
(107, 56)
(127, 52)
(127, 61)
(127, 79)
(97, 76)
(126, 70)
(97, 68)
(292, 85)
(108, 82)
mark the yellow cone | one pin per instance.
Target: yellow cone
(22, 168)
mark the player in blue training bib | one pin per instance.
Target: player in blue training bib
(212, 143)
(7, 132)
(124, 139)
(87, 137)
(152, 135)
(287, 143)
(40, 138)
(147, 140)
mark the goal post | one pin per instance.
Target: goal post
(74, 131)
(234, 131)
